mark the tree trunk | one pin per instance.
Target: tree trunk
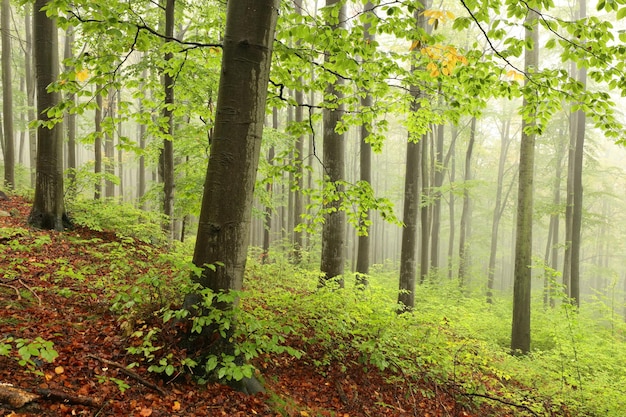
(267, 229)
(70, 117)
(98, 144)
(30, 91)
(7, 97)
(109, 148)
(166, 158)
(505, 141)
(464, 226)
(224, 224)
(365, 164)
(48, 211)
(438, 169)
(520, 329)
(333, 238)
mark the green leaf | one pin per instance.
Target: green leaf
(621, 13)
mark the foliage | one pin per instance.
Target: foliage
(124, 218)
(28, 353)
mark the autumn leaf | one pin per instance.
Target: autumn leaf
(176, 406)
(82, 75)
(59, 370)
(145, 412)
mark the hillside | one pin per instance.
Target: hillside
(60, 287)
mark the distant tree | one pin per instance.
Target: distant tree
(48, 211)
(224, 224)
(520, 329)
(465, 213)
(499, 205)
(70, 117)
(30, 88)
(7, 96)
(97, 145)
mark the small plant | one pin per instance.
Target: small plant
(29, 352)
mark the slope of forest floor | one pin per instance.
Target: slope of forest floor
(51, 288)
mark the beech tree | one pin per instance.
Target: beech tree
(48, 210)
(520, 330)
(224, 224)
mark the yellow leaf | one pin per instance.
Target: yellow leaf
(414, 45)
(176, 406)
(450, 15)
(82, 75)
(59, 370)
(304, 414)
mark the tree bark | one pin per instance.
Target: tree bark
(333, 229)
(48, 211)
(464, 226)
(520, 329)
(365, 164)
(166, 158)
(224, 224)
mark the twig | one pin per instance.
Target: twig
(31, 291)
(500, 400)
(19, 297)
(134, 375)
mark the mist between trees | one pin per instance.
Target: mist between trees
(468, 141)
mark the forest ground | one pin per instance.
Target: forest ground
(73, 311)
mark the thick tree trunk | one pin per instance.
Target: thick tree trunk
(48, 211)
(224, 224)
(520, 329)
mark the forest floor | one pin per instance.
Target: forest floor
(36, 300)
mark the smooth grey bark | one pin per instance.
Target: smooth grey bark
(452, 199)
(412, 198)
(520, 328)
(225, 214)
(365, 171)
(465, 213)
(333, 237)
(7, 96)
(298, 206)
(141, 175)
(48, 211)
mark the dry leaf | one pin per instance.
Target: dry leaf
(176, 406)
(59, 370)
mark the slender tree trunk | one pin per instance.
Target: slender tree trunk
(464, 226)
(48, 211)
(109, 148)
(141, 177)
(452, 198)
(70, 117)
(30, 91)
(505, 141)
(267, 230)
(7, 96)
(520, 329)
(333, 239)
(365, 171)
(166, 158)
(424, 209)
(577, 199)
(438, 169)
(98, 143)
